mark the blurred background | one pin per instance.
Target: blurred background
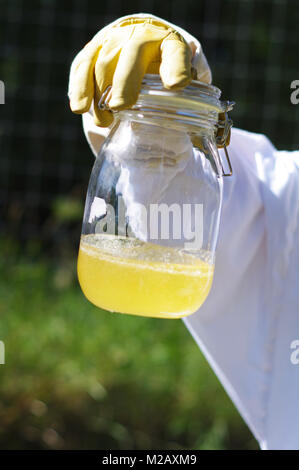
(76, 377)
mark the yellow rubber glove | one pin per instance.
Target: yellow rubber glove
(120, 55)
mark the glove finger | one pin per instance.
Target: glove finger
(133, 62)
(81, 83)
(175, 68)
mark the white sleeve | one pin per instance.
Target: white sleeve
(95, 135)
(250, 318)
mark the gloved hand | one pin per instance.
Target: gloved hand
(120, 55)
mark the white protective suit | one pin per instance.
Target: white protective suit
(246, 326)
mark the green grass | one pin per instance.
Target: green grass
(77, 377)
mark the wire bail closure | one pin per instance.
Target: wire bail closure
(104, 100)
(223, 133)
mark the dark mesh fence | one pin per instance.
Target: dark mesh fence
(252, 47)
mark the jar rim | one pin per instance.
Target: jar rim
(195, 95)
(155, 79)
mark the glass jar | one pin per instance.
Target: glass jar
(153, 205)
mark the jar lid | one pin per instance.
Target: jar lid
(194, 97)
